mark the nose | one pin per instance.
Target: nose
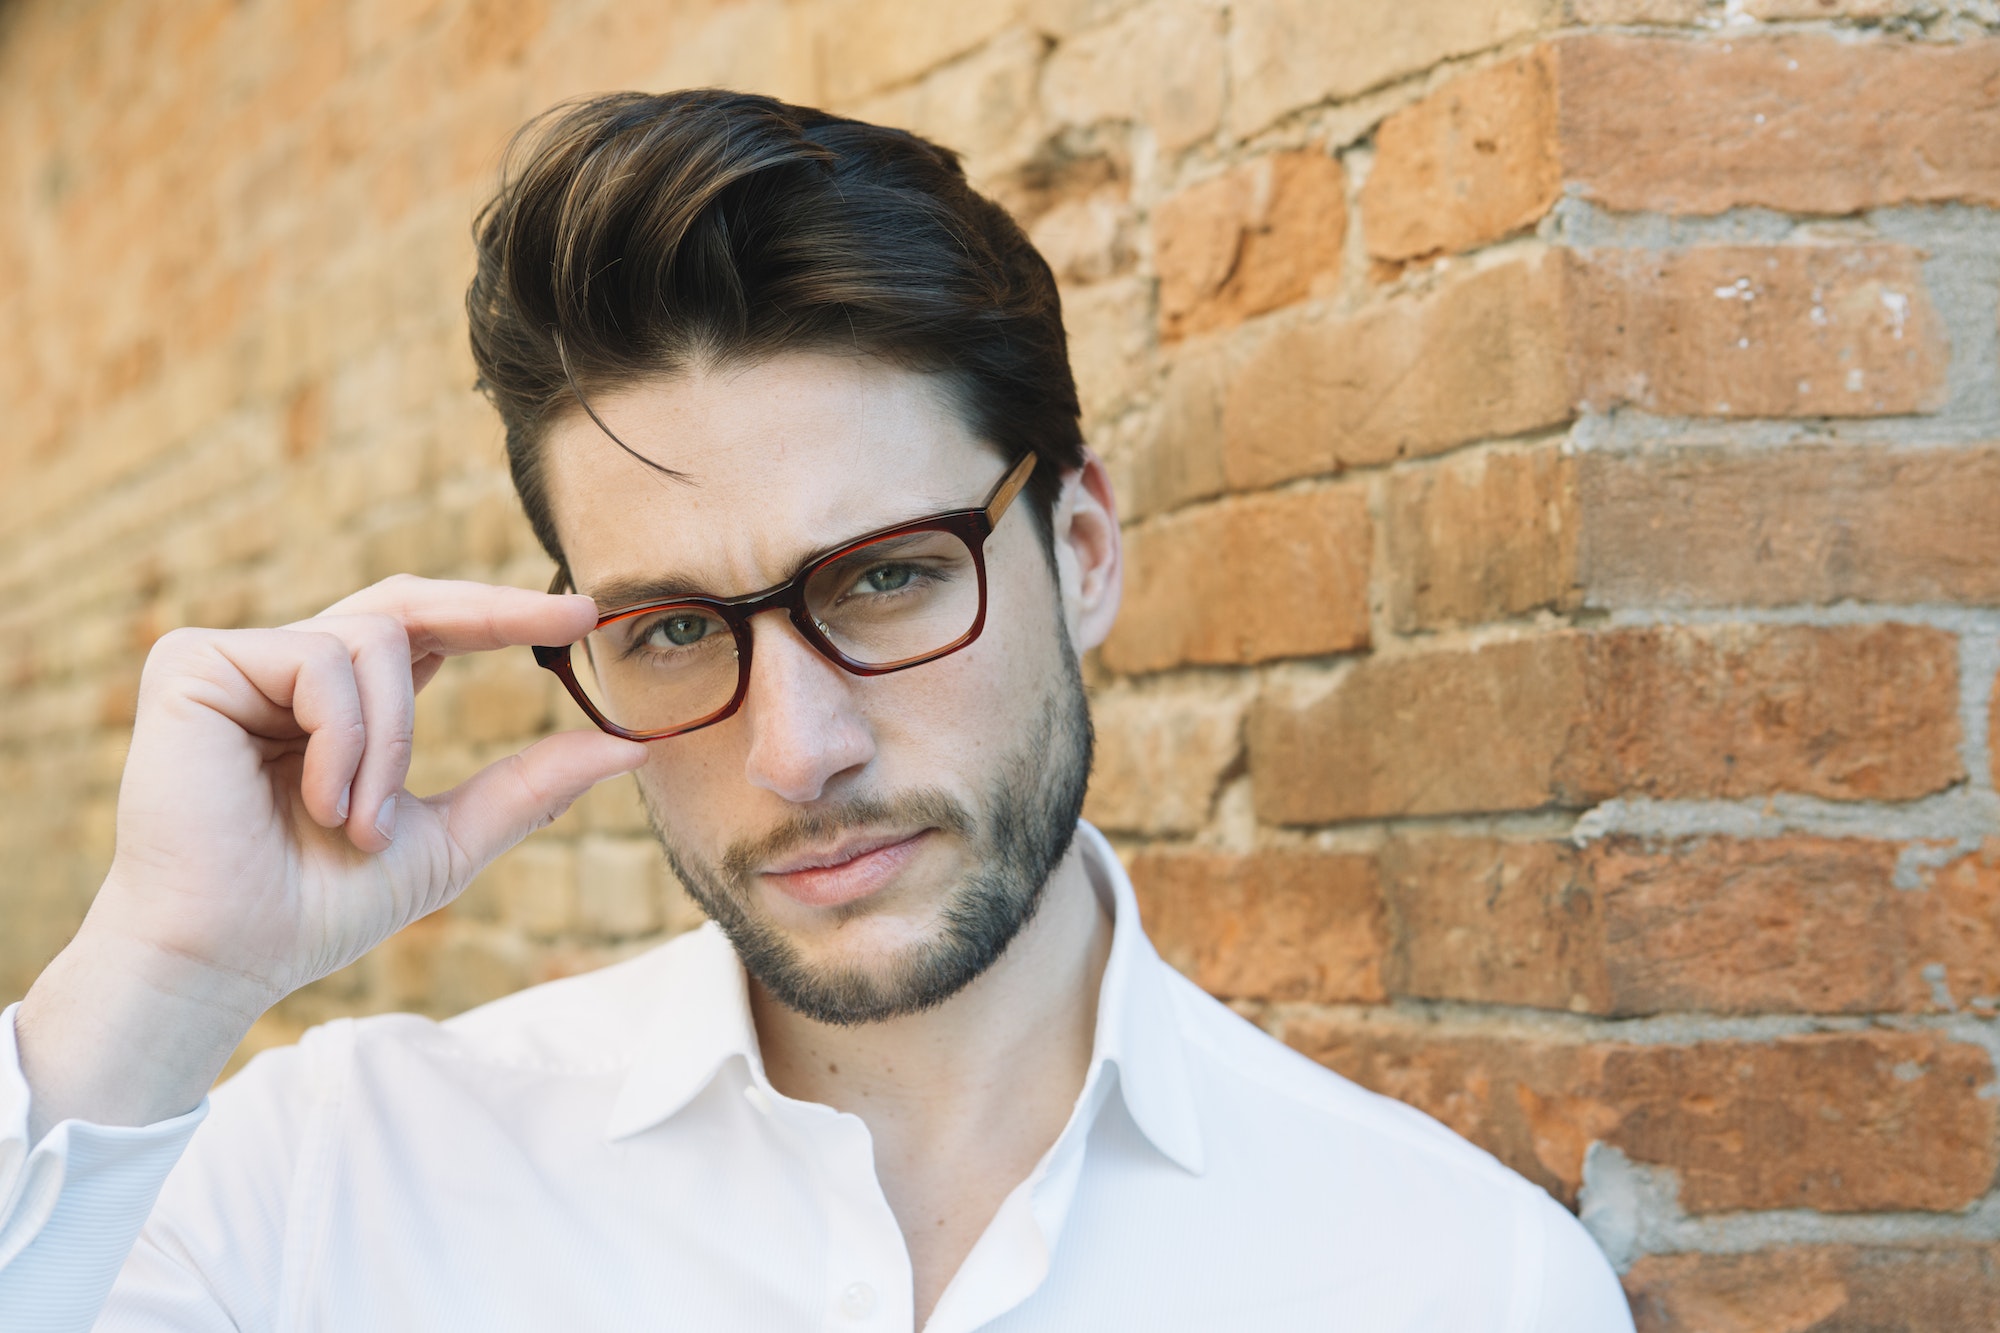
(804, 729)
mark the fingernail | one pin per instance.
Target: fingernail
(341, 807)
(385, 822)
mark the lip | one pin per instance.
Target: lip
(845, 872)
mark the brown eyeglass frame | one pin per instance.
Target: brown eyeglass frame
(972, 526)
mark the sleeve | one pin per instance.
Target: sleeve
(1580, 1293)
(72, 1205)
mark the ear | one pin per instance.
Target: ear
(1090, 558)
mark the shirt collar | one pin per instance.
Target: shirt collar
(704, 1020)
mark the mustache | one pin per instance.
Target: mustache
(924, 808)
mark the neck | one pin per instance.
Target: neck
(961, 1101)
(1013, 1047)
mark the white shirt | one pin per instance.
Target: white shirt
(605, 1152)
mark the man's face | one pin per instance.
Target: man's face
(870, 844)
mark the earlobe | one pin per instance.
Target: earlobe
(1090, 552)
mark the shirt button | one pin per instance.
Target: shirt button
(858, 1301)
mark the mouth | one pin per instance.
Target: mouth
(846, 871)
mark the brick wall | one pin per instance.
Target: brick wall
(1561, 456)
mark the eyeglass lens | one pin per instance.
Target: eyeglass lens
(887, 602)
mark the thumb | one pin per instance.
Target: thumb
(512, 797)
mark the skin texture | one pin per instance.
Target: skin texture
(265, 837)
(788, 457)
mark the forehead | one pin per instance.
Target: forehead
(782, 457)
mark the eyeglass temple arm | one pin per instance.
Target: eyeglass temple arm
(1010, 486)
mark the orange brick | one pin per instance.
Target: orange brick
(1494, 921)
(1666, 13)
(1480, 537)
(1178, 457)
(1469, 164)
(1247, 579)
(1484, 355)
(1797, 121)
(1803, 122)
(1838, 1122)
(1861, 712)
(1248, 241)
(1161, 64)
(1288, 54)
(1268, 925)
(1160, 758)
(1707, 526)
(1758, 331)
(1937, 1288)
(1626, 927)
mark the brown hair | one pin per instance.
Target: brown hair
(635, 234)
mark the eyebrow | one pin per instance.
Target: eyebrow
(616, 594)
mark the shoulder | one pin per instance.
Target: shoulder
(1270, 1089)
(587, 1024)
(1363, 1170)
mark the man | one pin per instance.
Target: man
(790, 406)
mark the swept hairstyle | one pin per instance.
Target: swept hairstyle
(635, 235)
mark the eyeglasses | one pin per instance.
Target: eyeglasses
(885, 602)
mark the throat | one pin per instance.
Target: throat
(963, 1099)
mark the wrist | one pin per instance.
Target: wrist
(115, 1032)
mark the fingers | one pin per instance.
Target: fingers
(446, 616)
(507, 800)
(344, 685)
(282, 685)
(379, 651)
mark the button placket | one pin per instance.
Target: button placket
(867, 1263)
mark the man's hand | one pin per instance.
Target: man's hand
(265, 837)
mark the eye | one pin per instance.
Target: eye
(676, 631)
(887, 578)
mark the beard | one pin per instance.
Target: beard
(1020, 832)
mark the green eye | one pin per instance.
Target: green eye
(887, 578)
(680, 631)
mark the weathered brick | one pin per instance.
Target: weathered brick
(1247, 579)
(1855, 712)
(869, 44)
(1484, 355)
(1161, 65)
(1494, 921)
(1798, 121)
(1837, 1122)
(984, 106)
(1471, 163)
(1626, 926)
(1160, 756)
(1665, 13)
(618, 887)
(1293, 924)
(1935, 1288)
(1177, 456)
(534, 886)
(1253, 239)
(1758, 331)
(1702, 526)
(1480, 537)
(501, 699)
(1288, 54)
(1771, 10)
(1110, 328)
